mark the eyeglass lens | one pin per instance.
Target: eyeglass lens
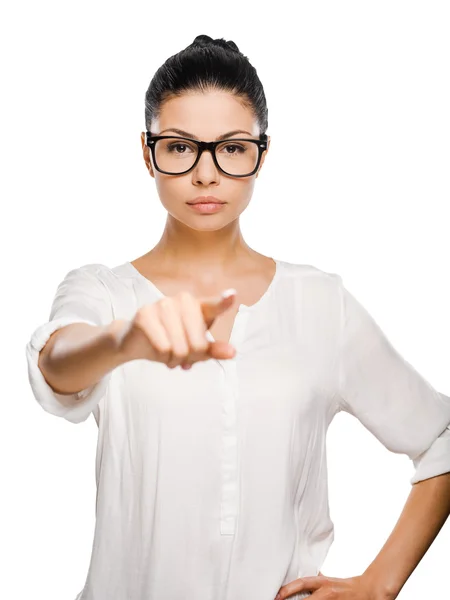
(175, 155)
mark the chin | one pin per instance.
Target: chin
(212, 222)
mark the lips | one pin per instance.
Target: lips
(206, 200)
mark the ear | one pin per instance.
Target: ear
(146, 154)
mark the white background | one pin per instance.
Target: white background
(356, 182)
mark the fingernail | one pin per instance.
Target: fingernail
(227, 293)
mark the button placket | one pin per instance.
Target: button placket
(229, 474)
(229, 493)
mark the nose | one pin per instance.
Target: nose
(205, 170)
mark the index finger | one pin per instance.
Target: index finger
(213, 307)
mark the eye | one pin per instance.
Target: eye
(238, 148)
(172, 148)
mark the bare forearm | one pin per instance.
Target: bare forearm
(80, 355)
(424, 514)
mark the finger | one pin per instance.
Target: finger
(303, 596)
(304, 584)
(170, 316)
(213, 307)
(221, 350)
(150, 332)
(195, 329)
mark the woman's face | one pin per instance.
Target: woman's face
(205, 116)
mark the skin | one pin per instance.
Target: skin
(206, 253)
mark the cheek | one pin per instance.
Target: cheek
(171, 190)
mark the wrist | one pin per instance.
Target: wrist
(116, 331)
(378, 586)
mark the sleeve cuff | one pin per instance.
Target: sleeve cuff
(435, 460)
(60, 405)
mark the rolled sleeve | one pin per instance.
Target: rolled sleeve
(435, 460)
(388, 395)
(81, 297)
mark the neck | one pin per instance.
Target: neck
(193, 250)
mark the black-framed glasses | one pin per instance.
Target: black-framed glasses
(174, 155)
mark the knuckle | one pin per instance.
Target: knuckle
(200, 346)
(180, 354)
(163, 348)
(185, 296)
(144, 312)
(164, 303)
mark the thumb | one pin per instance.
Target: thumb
(213, 307)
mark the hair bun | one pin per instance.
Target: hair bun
(205, 41)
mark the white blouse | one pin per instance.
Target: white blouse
(212, 482)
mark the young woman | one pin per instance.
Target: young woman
(213, 373)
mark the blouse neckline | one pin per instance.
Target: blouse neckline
(242, 307)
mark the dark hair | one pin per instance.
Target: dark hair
(207, 64)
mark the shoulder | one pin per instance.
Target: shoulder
(90, 269)
(118, 285)
(317, 291)
(310, 275)
(97, 278)
(100, 272)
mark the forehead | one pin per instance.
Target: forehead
(206, 114)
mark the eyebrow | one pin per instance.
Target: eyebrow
(224, 136)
